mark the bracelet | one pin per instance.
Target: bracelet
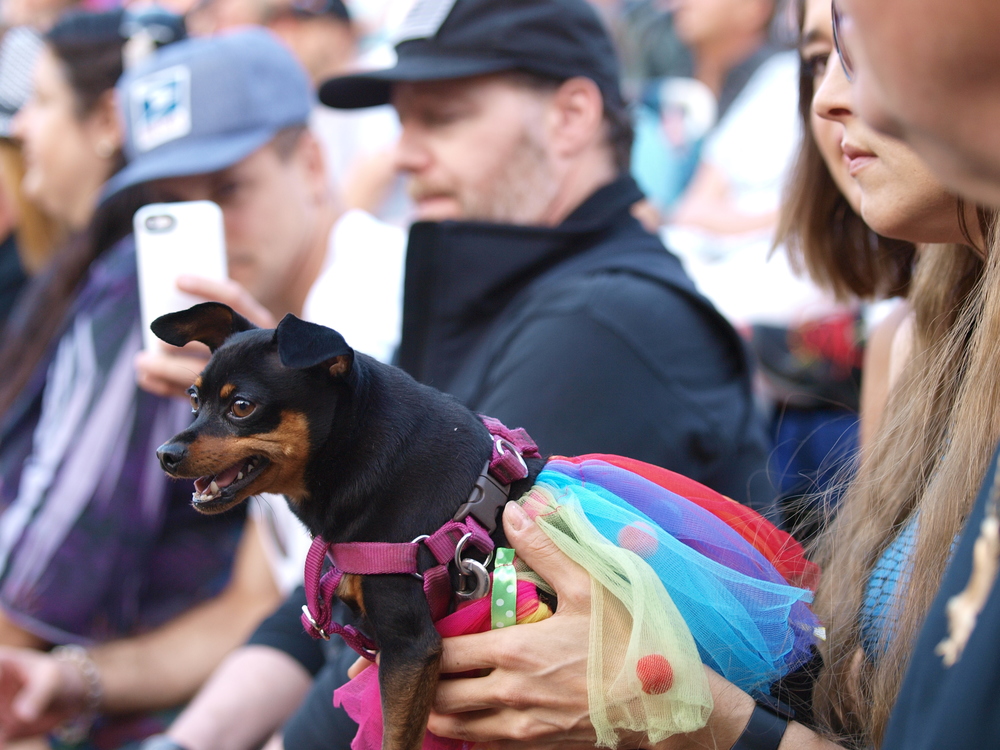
(75, 730)
(766, 727)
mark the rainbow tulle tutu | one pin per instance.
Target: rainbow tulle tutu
(681, 576)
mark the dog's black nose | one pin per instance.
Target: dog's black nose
(171, 455)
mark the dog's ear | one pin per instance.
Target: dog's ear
(210, 323)
(302, 344)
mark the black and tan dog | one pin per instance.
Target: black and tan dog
(363, 453)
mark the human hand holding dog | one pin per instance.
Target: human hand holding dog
(537, 689)
(37, 693)
(536, 694)
(171, 371)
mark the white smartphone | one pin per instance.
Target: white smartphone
(172, 239)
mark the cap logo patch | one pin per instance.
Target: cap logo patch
(423, 20)
(161, 107)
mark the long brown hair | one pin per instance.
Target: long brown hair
(933, 442)
(926, 461)
(823, 235)
(38, 235)
(89, 47)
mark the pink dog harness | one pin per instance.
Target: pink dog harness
(473, 523)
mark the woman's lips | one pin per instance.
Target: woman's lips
(856, 158)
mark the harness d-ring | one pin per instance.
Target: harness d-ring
(419, 576)
(308, 615)
(499, 443)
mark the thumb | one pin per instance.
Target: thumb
(33, 699)
(570, 581)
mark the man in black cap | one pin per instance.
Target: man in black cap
(531, 292)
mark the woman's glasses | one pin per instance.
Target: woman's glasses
(846, 61)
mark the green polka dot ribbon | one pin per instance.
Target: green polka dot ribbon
(503, 612)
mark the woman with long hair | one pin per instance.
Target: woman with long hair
(918, 475)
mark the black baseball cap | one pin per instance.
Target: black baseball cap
(444, 39)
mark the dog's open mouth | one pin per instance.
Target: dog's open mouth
(219, 490)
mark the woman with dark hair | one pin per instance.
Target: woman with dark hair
(95, 544)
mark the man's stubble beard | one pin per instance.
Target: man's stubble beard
(519, 192)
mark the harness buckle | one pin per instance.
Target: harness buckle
(487, 497)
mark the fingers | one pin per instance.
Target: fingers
(46, 682)
(514, 729)
(466, 653)
(230, 293)
(166, 373)
(570, 581)
(470, 727)
(358, 667)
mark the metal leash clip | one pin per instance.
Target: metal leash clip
(471, 569)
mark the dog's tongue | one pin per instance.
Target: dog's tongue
(227, 477)
(224, 479)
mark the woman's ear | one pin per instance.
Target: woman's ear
(104, 126)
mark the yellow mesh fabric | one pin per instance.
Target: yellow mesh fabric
(644, 673)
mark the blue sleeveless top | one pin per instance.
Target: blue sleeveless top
(878, 612)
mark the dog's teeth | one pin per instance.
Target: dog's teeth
(239, 476)
(214, 488)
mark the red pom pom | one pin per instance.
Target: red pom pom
(638, 537)
(655, 674)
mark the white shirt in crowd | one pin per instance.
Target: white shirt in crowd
(754, 145)
(359, 293)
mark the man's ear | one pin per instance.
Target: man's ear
(577, 117)
(302, 344)
(211, 323)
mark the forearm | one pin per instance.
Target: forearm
(251, 695)
(13, 635)
(167, 666)
(729, 718)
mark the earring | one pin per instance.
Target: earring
(105, 148)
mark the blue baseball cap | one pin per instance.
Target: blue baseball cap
(204, 104)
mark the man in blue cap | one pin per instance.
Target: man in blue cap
(225, 119)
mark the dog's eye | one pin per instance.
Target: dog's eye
(242, 408)
(195, 402)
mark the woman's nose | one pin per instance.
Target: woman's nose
(832, 98)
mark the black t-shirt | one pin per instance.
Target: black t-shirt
(956, 708)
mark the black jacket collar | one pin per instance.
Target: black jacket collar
(460, 275)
